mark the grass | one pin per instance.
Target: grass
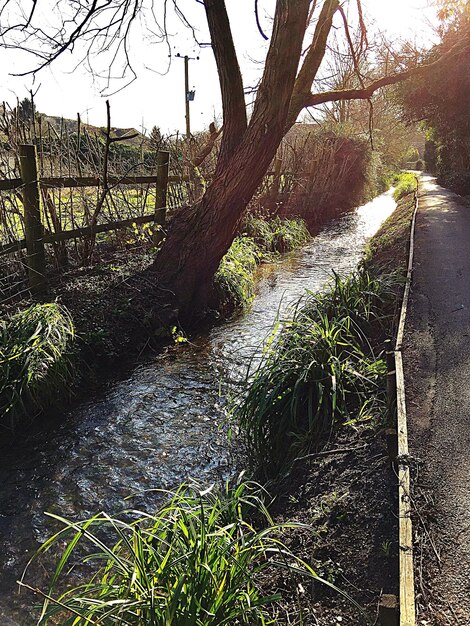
(33, 357)
(260, 240)
(195, 562)
(276, 235)
(319, 372)
(387, 250)
(235, 277)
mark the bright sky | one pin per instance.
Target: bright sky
(156, 99)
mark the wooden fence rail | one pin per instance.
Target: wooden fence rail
(67, 182)
(35, 238)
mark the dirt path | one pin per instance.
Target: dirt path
(437, 372)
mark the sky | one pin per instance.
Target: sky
(157, 96)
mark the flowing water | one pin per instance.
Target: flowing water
(163, 424)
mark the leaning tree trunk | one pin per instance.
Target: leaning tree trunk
(200, 235)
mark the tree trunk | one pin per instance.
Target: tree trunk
(200, 235)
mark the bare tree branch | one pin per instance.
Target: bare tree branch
(352, 50)
(261, 32)
(313, 59)
(364, 93)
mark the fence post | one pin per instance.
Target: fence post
(276, 186)
(391, 435)
(163, 163)
(33, 228)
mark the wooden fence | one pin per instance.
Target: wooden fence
(31, 185)
(35, 238)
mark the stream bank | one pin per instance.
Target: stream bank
(110, 448)
(348, 490)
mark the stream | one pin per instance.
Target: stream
(163, 424)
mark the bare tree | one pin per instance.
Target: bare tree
(201, 234)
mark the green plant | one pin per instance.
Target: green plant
(260, 231)
(319, 372)
(405, 183)
(193, 563)
(288, 234)
(234, 279)
(386, 547)
(33, 356)
(276, 235)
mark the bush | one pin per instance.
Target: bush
(33, 357)
(320, 371)
(194, 562)
(405, 183)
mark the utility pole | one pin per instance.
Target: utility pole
(188, 94)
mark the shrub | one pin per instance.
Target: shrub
(320, 371)
(405, 183)
(33, 356)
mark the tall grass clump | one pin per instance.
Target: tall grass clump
(320, 371)
(195, 562)
(277, 235)
(33, 357)
(235, 278)
(405, 183)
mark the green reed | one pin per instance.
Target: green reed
(33, 357)
(196, 562)
(320, 371)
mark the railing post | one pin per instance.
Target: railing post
(163, 164)
(33, 228)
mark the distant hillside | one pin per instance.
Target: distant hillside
(70, 126)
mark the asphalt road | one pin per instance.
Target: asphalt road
(437, 376)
